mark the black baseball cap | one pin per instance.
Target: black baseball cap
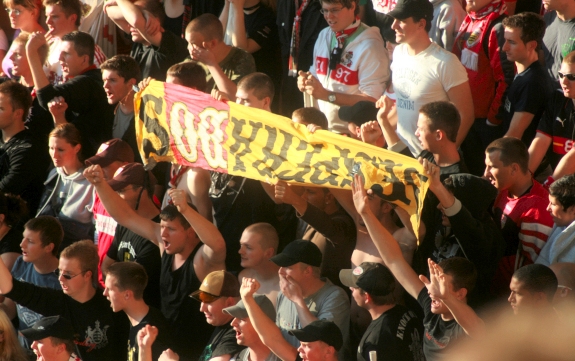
(53, 326)
(374, 278)
(298, 251)
(359, 113)
(320, 330)
(421, 9)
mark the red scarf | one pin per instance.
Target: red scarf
(295, 34)
(347, 32)
(475, 24)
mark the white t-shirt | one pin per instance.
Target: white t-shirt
(363, 69)
(421, 79)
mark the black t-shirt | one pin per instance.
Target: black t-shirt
(558, 122)
(191, 331)
(11, 241)
(438, 334)
(260, 27)
(155, 61)
(130, 247)
(163, 341)
(528, 93)
(395, 335)
(101, 333)
(222, 342)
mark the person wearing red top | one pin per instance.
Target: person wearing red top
(520, 208)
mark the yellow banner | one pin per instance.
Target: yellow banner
(178, 124)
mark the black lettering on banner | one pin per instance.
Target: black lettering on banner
(398, 189)
(408, 175)
(330, 167)
(305, 165)
(347, 163)
(268, 154)
(236, 134)
(153, 126)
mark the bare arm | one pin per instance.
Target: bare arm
(566, 165)
(120, 210)
(519, 123)
(387, 246)
(237, 28)
(214, 250)
(268, 331)
(198, 186)
(224, 84)
(9, 307)
(9, 258)
(139, 20)
(145, 338)
(115, 14)
(224, 20)
(5, 279)
(461, 97)
(537, 150)
(285, 193)
(35, 41)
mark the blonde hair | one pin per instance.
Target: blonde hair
(10, 349)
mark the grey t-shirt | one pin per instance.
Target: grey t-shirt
(559, 40)
(329, 303)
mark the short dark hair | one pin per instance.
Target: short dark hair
(537, 278)
(50, 231)
(20, 97)
(563, 189)
(345, 3)
(208, 25)
(83, 44)
(13, 208)
(511, 150)
(190, 73)
(532, 26)
(70, 346)
(443, 115)
(69, 7)
(261, 83)
(311, 115)
(170, 213)
(126, 67)
(462, 271)
(388, 299)
(129, 276)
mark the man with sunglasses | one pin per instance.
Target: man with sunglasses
(102, 335)
(557, 128)
(135, 186)
(350, 62)
(190, 246)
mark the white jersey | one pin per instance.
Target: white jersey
(363, 69)
(421, 79)
(53, 69)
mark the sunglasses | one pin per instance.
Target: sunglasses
(67, 276)
(206, 297)
(570, 77)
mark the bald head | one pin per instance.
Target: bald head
(268, 235)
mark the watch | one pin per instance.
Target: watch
(331, 98)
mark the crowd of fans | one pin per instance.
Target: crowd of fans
(105, 259)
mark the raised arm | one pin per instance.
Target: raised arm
(198, 187)
(140, 20)
(114, 12)
(146, 337)
(269, 332)
(5, 278)
(214, 250)
(120, 210)
(387, 246)
(35, 42)
(441, 288)
(206, 57)
(237, 29)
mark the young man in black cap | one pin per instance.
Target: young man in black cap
(395, 332)
(219, 290)
(443, 296)
(186, 258)
(53, 338)
(246, 335)
(301, 287)
(110, 156)
(135, 186)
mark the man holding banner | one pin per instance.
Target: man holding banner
(350, 62)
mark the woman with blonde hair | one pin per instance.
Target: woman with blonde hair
(68, 196)
(10, 349)
(24, 15)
